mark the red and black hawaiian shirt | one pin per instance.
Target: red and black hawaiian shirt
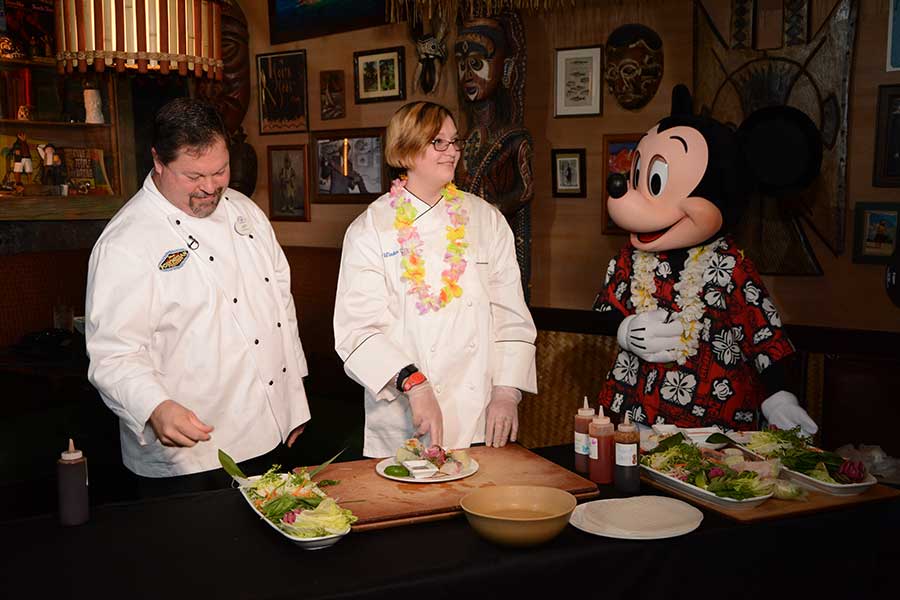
(741, 336)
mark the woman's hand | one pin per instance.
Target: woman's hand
(502, 416)
(426, 412)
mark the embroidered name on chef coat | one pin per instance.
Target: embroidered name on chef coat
(173, 260)
(390, 254)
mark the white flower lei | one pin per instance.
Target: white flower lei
(687, 288)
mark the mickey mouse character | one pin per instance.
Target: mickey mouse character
(701, 342)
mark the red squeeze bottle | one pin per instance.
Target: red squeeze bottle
(600, 464)
(582, 442)
(72, 480)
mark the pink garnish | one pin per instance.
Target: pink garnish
(853, 470)
(715, 472)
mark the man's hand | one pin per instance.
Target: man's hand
(650, 336)
(502, 416)
(426, 412)
(174, 425)
(782, 410)
(295, 434)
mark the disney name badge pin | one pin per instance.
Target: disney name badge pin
(242, 226)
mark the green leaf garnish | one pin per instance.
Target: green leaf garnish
(720, 438)
(666, 443)
(229, 465)
(318, 469)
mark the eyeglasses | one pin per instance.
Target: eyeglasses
(441, 145)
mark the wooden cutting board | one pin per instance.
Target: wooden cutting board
(773, 508)
(379, 502)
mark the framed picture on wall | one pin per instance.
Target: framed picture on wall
(332, 96)
(893, 41)
(618, 149)
(291, 20)
(579, 90)
(569, 173)
(288, 183)
(349, 165)
(887, 137)
(875, 232)
(281, 80)
(379, 75)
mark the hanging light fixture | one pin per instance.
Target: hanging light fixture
(163, 35)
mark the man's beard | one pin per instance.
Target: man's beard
(206, 208)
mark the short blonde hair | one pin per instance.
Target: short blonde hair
(410, 131)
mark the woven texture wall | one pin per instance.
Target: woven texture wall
(569, 367)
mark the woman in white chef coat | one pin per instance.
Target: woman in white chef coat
(430, 317)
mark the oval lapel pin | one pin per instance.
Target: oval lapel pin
(242, 226)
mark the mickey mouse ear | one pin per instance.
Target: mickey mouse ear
(682, 105)
(782, 147)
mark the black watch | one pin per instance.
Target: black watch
(403, 374)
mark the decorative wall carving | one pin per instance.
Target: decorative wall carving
(732, 83)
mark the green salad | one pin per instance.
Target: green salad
(725, 474)
(292, 501)
(795, 452)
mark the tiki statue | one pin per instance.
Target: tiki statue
(496, 165)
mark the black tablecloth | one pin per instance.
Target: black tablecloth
(211, 545)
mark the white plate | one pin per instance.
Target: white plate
(700, 493)
(438, 478)
(637, 518)
(309, 543)
(832, 489)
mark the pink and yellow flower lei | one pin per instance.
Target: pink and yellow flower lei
(411, 247)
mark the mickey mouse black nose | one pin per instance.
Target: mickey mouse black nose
(616, 185)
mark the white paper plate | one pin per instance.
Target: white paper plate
(438, 478)
(637, 518)
(692, 490)
(310, 543)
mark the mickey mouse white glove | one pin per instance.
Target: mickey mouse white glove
(782, 410)
(649, 337)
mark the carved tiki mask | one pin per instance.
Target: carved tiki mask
(634, 65)
(482, 59)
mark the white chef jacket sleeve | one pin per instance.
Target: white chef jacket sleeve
(362, 314)
(513, 330)
(118, 331)
(283, 280)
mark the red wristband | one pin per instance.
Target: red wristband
(413, 380)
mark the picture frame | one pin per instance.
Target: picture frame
(292, 21)
(349, 166)
(288, 183)
(332, 95)
(893, 41)
(887, 138)
(617, 152)
(379, 75)
(569, 172)
(578, 80)
(875, 229)
(281, 87)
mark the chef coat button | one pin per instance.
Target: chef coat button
(468, 303)
(433, 348)
(278, 323)
(256, 342)
(211, 259)
(437, 389)
(271, 382)
(472, 345)
(251, 236)
(471, 387)
(177, 222)
(267, 280)
(235, 300)
(284, 369)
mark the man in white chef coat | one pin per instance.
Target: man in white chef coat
(190, 323)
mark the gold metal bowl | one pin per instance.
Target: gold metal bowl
(518, 515)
